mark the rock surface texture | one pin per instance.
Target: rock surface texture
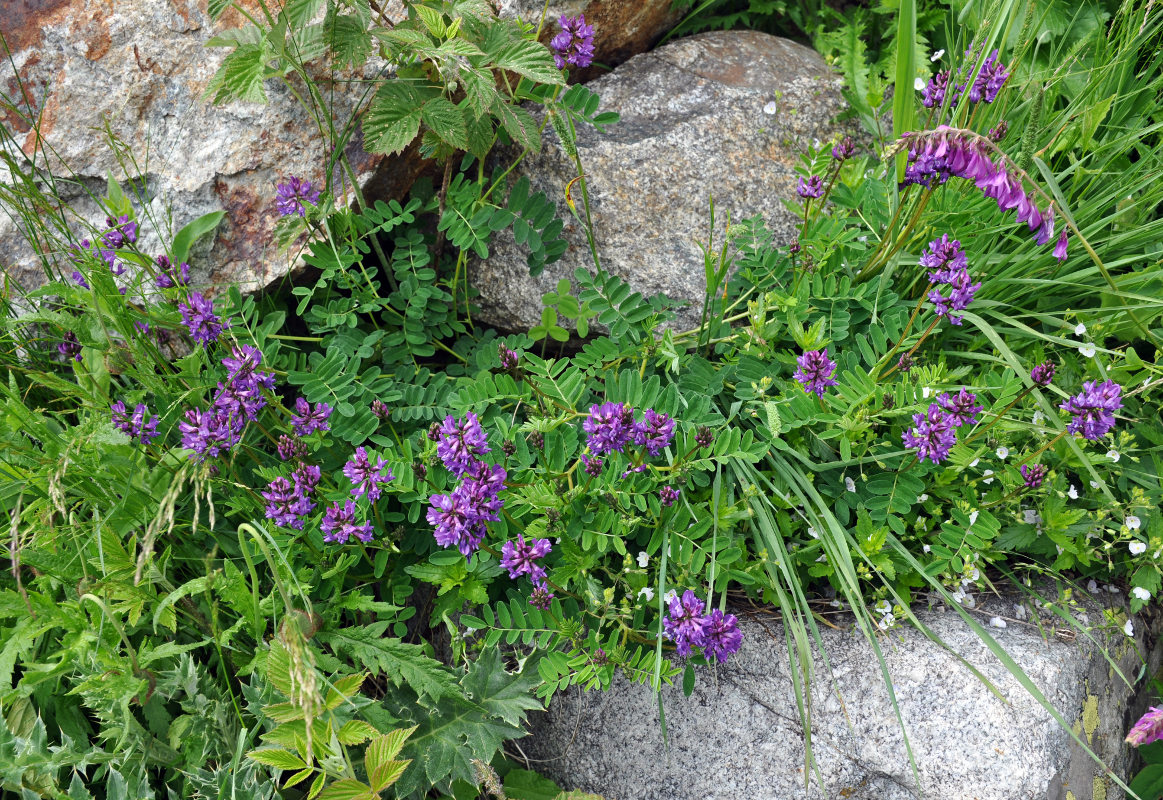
(739, 736)
(723, 114)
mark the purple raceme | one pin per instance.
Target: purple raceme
(961, 408)
(509, 358)
(462, 516)
(520, 558)
(134, 425)
(609, 427)
(199, 318)
(540, 597)
(208, 433)
(654, 432)
(306, 478)
(460, 444)
(999, 131)
(307, 420)
(1093, 409)
(1032, 476)
(844, 149)
(339, 524)
(286, 504)
(944, 259)
(685, 623)
(290, 448)
(1148, 729)
(933, 95)
(961, 292)
(703, 437)
(79, 279)
(722, 637)
(241, 397)
(1043, 374)
(120, 233)
(365, 478)
(593, 466)
(932, 435)
(815, 371)
(811, 188)
(291, 196)
(989, 80)
(380, 409)
(667, 495)
(166, 278)
(574, 44)
(70, 347)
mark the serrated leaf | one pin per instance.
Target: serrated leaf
(277, 758)
(393, 119)
(241, 75)
(347, 789)
(528, 58)
(446, 121)
(518, 123)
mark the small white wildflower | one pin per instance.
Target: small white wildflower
(643, 559)
(884, 607)
(919, 83)
(987, 476)
(925, 392)
(1113, 455)
(850, 484)
(1084, 618)
(1019, 611)
(973, 515)
(971, 575)
(1039, 417)
(1129, 628)
(997, 622)
(836, 603)
(922, 498)
(1141, 594)
(1157, 554)
(646, 592)
(926, 548)
(975, 462)
(822, 559)
(1058, 547)
(959, 595)
(937, 56)
(1110, 587)
(1080, 329)
(1087, 350)
(1095, 484)
(670, 595)
(770, 108)
(1003, 453)
(1072, 493)
(1132, 522)
(886, 622)
(969, 602)
(1137, 548)
(1030, 517)
(812, 532)
(1091, 586)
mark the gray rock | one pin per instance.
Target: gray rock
(693, 124)
(739, 735)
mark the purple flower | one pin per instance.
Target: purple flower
(540, 597)
(609, 427)
(120, 233)
(685, 623)
(722, 636)
(574, 44)
(815, 371)
(461, 443)
(290, 448)
(509, 358)
(166, 278)
(933, 95)
(519, 557)
(812, 187)
(339, 524)
(306, 477)
(944, 259)
(449, 514)
(844, 149)
(70, 347)
(80, 280)
(134, 425)
(667, 495)
(291, 196)
(1148, 729)
(209, 432)
(999, 131)
(961, 408)
(307, 420)
(932, 435)
(380, 409)
(1033, 475)
(961, 293)
(1060, 248)
(654, 432)
(199, 318)
(1043, 374)
(287, 505)
(593, 466)
(1093, 409)
(989, 80)
(365, 478)
(703, 437)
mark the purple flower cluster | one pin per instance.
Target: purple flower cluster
(1043, 374)
(986, 84)
(717, 633)
(291, 196)
(1148, 729)
(574, 44)
(365, 478)
(815, 371)
(307, 420)
(70, 347)
(166, 278)
(1032, 476)
(134, 425)
(79, 279)
(461, 517)
(116, 266)
(210, 432)
(667, 495)
(844, 149)
(945, 152)
(654, 432)
(120, 233)
(1093, 409)
(520, 558)
(949, 267)
(339, 524)
(288, 503)
(199, 318)
(611, 426)
(811, 188)
(935, 432)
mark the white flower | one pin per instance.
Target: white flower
(973, 516)
(919, 83)
(1080, 329)
(836, 603)
(970, 602)
(1095, 484)
(886, 622)
(1132, 522)
(643, 559)
(937, 56)
(822, 559)
(1019, 611)
(646, 592)
(1129, 628)
(1039, 417)
(1072, 493)
(850, 484)
(922, 498)
(1091, 586)
(986, 477)
(668, 596)
(812, 532)
(770, 108)
(1137, 548)
(1087, 350)
(975, 462)
(884, 607)
(1141, 593)
(1030, 516)
(926, 548)
(997, 622)
(1113, 455)
(925, 392)
(971, 574)
(959, 595)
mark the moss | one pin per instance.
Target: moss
(1098, 790)
(1070, 795)
(1090, 716)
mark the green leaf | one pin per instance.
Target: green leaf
(904, 104)
(523, 784)
(446, 121)
(241, 75)
(192, 232)
(277, 758)
(355, 732)
(528, 58)
(347, 789)
(393, 119)
(401, 663)
(518, 123)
